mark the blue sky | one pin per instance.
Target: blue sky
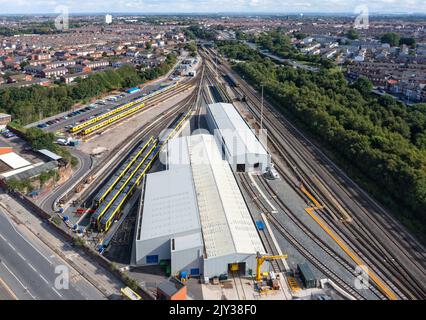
(211, 6)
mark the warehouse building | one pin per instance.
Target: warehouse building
(237, 142)
(194, 214)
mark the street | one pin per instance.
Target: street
(28, 270)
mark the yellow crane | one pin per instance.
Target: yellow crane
(261, 258)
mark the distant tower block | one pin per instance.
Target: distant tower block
(108, 19)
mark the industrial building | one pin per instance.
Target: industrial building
(194, 214)
(237, 142)
(4, 120)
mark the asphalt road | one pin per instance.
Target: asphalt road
(84, 165)
(27, 270)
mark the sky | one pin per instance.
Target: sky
(211, 6)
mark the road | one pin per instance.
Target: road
(27, 269)
(294, 63)
(84, 165)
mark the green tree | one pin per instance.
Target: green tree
(408, 41)
(391, 38)
(352, 34)
(363, 85)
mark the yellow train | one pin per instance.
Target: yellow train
(103, 116)
(119, 109)
(112, 119)
(108, 219)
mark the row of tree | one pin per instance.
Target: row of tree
(382, 138)
(394, 40)
(30, 104)
(277, 42)
(193, 32)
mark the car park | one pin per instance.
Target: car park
(9, 135)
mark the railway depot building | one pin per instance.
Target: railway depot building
(237, 142)
(194, 214)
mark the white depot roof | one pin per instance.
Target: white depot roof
(226, 223)
(14, 160)
(193, 240)
(238, 136)
(169, 204)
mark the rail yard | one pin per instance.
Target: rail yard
(191, 187)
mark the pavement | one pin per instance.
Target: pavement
(29, 272)
(32, 250)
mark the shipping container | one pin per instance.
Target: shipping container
(307, 276)
(259, 224)
(132, 90)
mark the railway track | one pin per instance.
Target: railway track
(110, 208)
(296, 243)
(345, 263)
(238, 285)
(355, 233)
(367, 242)
(146, 103)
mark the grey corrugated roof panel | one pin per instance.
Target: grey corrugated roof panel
(35, 171)
(50, 154)
(170, 286)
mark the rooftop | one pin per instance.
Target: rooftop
(14, 160)
(170, 205)
(227, 225)
(50, 154)
(170, 286)
(238, 136)
(197, 199)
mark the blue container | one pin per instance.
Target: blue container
(131, 90)
(260, 226)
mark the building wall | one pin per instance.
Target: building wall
(248, 159)
(158, 246)
(185, 260)
(219, 265)
(5, 119)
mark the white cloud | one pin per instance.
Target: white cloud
(275, 6)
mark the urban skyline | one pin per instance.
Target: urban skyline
(216, 6)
